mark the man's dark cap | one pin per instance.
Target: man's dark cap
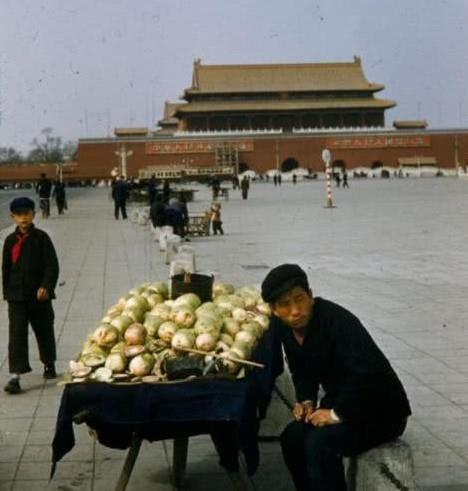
(282, 279)
(22, 204)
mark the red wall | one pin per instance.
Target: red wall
(96, 158)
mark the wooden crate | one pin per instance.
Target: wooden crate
(199, 224)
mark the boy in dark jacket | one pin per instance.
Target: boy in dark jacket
(29, 272)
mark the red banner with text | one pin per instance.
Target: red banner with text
(378, 141)
(181, 147)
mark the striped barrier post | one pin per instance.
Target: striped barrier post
(326, 156)
(329, 191)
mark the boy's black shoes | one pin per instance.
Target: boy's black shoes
(13, 386)
(49, 372)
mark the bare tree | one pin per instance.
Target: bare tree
(70, 150)
(47, 150)
(8, 155)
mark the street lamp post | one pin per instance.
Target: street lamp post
(122, 154)
(59, 168)
(326, 157)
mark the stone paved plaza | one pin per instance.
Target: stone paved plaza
(392, 251)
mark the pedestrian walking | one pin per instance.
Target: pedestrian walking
(179, 221)
(345, 179)
(279, 179)
(120, 195)
(337, 179)
(152, 189)
(157, 212)
(166, 192)
(44, 189)
(29, 275)
(275, 180)
(174, 218)
(216, 219)
(245, 185)
(60, 196)
(215, 186)
(294, 178)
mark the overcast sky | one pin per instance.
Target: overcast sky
(84, 67)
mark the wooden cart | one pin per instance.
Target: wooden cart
(199, 224)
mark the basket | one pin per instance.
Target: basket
(200, 284)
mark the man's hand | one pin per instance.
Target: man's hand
(321, 417)
(302, 410)
(42, 294)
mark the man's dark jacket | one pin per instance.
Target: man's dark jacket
(44, 188)
(36, 267)
(120, 191)
(339, 354)
(158, 214)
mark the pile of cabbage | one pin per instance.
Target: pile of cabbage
(144, 328)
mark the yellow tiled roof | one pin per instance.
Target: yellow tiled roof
(170, 108)
(408, 124)
(130, 131)
(346, 76)
(285, 105)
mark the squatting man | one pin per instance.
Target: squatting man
(362, 403)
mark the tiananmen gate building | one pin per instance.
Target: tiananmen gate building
(267, 117)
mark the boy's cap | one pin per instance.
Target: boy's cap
(281, 279)
(22, 204)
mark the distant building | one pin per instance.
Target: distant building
(274, 117)
(410, 125)
(281, 96)
(170, 123)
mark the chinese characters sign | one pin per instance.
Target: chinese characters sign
(193, 146)
(379, 141)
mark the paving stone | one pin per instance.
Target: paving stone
(10, 453)
(54, 485)
(391, 252)
(80, 471)
(438, 476)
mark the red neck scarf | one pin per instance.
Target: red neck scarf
(16, 249)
